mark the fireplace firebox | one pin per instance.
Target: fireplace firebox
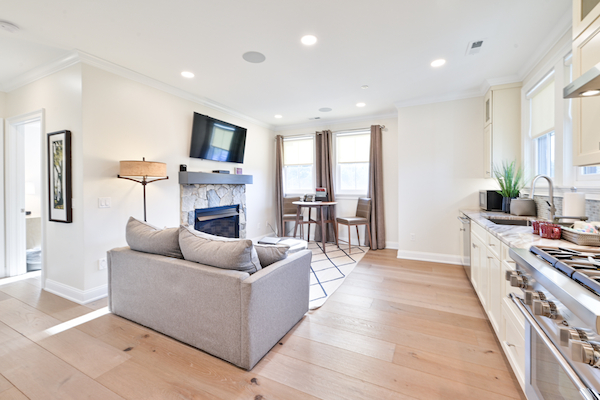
(221, 221)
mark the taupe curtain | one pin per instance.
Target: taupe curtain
(376, 189)
(324, 167)
(279, 184)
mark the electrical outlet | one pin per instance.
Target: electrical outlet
(413, 237)
(258, 225)
(102, 263)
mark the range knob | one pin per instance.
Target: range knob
(519, 281)
(586, 352)
(545, 308)
(531, 295)
(567, 334)
(509, 274)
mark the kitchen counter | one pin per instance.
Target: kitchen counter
(518, 236)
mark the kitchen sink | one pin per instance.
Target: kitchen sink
(501, 221)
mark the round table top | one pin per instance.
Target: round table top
(314, 203)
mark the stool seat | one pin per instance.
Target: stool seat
(352, 221)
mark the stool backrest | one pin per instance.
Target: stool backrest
(363, 209)
(288, 207)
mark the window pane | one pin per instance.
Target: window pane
(353, 148)
(595, 169)
(298, 178)
(544, 146)
(354, 177)
(542, 111)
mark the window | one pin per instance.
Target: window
(593, 170)
(352, 162)
(541, 102)
(298, 176)
(544, 152)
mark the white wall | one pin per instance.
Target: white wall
(60, 95)
(127, 120)
(2, 226)
(440, 170)
(2, 105)
(346, 204)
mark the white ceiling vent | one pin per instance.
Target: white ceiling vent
(474, 47)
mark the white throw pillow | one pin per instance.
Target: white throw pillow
(142, 236)
(271, 253)
(217, 251)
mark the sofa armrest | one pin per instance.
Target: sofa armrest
(274, 299)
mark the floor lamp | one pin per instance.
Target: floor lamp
(143, 169)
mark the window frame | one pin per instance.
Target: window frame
(339, 193)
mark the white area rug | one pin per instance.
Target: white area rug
(328, 270)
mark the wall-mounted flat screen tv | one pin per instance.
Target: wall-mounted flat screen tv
(217, 140)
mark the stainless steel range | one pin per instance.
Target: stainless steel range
(561, 304)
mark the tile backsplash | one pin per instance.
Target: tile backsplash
(592, 208)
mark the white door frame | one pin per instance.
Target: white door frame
(3, 263)
(14, 195)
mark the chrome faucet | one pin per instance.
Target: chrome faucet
(550, 193)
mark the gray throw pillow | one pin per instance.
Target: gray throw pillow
(142, 236)
(217, 251)
(271, 253)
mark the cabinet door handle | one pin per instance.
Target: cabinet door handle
(490, 257)
(492, 245)
(474, 246)
(509, 344)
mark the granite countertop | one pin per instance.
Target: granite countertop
(518, 236)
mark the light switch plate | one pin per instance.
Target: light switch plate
(102, 263)
(104, 202)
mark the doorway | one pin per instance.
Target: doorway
(24, 194)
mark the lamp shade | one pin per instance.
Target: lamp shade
(143, 168)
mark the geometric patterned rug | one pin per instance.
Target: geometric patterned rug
(328, 270)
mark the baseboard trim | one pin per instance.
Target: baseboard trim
(76, 295)
(431, 257)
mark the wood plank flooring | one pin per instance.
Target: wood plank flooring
(396, 329)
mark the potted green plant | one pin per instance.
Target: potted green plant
(510, 179)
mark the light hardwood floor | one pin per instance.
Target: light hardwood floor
(396, 329)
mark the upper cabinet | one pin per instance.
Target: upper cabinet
(584, 13)
(502, 127)
(586, 54)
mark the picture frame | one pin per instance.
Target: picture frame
(59, 177)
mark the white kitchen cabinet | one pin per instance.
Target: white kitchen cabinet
(489, 262)
(586, 119)
(584, 13)
(502, 126)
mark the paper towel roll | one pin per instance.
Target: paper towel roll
(573, 205)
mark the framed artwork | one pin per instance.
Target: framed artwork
(59, 177)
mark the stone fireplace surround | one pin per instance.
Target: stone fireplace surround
(195, 196)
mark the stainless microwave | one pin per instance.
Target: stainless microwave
(490, 200)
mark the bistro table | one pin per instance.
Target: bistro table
(321, 206)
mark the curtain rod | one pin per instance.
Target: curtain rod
(343, 130)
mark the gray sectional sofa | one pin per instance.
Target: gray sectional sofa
(230, 314)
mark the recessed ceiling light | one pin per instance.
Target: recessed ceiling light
(309, 40)
(591, 93)
(438, 63)
(278, 116)
(254, 57)
(360, 104)
(325, 109)
(364, 87)
(9, 27)
(187, 74)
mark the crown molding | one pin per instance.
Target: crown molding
(154, 83)
(40, 72)
(466, 94)
(78, 56)
(324, 123)
(563, 26)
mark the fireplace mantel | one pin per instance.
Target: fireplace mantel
(208, 178)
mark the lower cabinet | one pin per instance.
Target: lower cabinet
(489, 262)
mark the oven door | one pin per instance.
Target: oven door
(548, 375)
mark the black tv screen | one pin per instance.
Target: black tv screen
(217, 140)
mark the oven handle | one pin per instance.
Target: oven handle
(583, 390)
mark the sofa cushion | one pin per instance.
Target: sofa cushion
(142, 236)
(217, 251)
(271, 253)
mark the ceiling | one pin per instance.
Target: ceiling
(385, 44)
